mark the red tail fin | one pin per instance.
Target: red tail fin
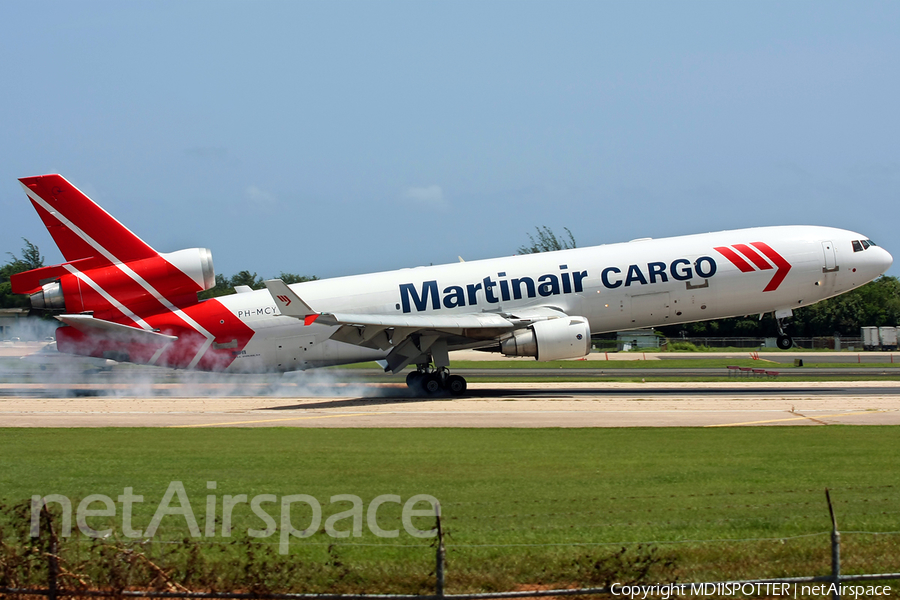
(79, 227)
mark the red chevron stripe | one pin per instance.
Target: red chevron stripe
(735, 259)
(753, 255)
(783, 266)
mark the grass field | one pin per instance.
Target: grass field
(521, 506)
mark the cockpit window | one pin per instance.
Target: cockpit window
(860, 245)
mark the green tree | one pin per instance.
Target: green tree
(222, 288)
(547, 241)
(225, 285)
(249, 279)
(290, 278)
(876, 303)
(31, 259)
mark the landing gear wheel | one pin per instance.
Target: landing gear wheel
(784, 340)
(415, 381)
(431, 384)
(456, 385)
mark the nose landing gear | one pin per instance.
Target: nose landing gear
(784, 340)
(428, 380)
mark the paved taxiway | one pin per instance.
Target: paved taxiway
(486, 405)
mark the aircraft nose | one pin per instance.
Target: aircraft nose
(884, 258)
(876, 260)
(870, 261)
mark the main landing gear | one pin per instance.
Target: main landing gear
(428, 380)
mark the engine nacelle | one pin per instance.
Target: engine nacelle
(50, 297)
(196, 263)
(554, 339)
(81, 286)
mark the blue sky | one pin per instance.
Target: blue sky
(346, 137)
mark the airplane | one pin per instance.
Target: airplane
(120, 299)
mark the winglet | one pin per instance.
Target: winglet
(290, 303)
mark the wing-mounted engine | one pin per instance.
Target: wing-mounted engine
(553, 339)
(99, 285)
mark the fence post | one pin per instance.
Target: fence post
(835, 550)
(439, 567)
(52, 555)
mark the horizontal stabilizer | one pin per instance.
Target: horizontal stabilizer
(115, 331)
(287, 301)
(29, 282)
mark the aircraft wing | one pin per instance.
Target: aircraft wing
(408, 336)
(290, 304)
(464, 321)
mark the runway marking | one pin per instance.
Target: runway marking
(268, 420)
(845, 414)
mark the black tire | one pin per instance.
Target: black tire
(431, 384)
(456, 385)
(785, 342)
(415, 381)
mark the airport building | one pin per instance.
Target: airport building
(9, 318)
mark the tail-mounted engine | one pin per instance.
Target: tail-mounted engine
(98, 285)
(554, 339)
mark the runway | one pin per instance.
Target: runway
(132, 396)
(486, 405)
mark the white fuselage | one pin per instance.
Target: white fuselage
(643, 283)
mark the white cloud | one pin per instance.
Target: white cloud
(430, 195)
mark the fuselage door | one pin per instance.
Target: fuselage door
(650, 309)
(830, 259)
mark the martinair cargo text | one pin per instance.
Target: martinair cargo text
(119, 298)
